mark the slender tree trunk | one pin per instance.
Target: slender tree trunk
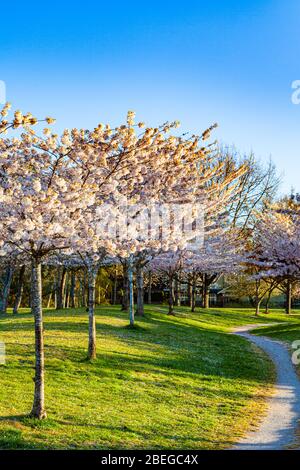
(83, 290)
(150, 288)
(288, 304)
(190, 292)
(79, 295)
(177, 288)
(206, 299)
(55, 292)
(268, 302)
(125, 298)
(38, 409)
(20, 289)
(49, 300)
(72, 288)
(205, 293)
(193, 297)
(66, 291)
(115, 288)
(257, 298)
(68, 298)
(6, 282)
(131, 294)
(140, 291)
(269, 298)
(92, 274)
(171, 296)
(61, 288)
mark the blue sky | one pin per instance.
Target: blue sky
(200, 62)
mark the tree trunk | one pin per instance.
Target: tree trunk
(92, 274)
(49, 300)
(193, 296)
(6, 282)
(257, 297)
(115, 288)
(66, 292)
(131, 294)
(205, 293)
(177, 292)
(171, 296)
(190, 292)
(125, 298)
(99, 295)
(206, 299)
(20, 289)
(55, 293)
(67, 296)
(288, 304)
(72, 289)
(61, 288)
(38, 409)
(268, 299)
(268, 303)
(150, 288)
(83, 290)
(140, 291)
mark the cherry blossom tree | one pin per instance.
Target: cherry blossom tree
(53, 191)
(41, 203)
(275, 251)
(168, 265)
(25, 121)
(189, 175)
(220, 254)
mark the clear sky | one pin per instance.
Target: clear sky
(200, 62)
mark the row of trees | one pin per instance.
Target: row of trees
(58, 196)
(139, 200)
(67, 286)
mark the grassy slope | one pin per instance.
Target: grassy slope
(174, 382)
(287, 333)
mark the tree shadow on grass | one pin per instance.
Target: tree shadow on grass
(12, 438)
(177, 348)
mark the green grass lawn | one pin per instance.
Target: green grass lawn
(287, 333)
(171, 383)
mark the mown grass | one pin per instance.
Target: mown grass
(176, 382)
(288, 333)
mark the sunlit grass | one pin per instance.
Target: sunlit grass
(173, 382)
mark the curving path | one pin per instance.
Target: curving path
(279, 426)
